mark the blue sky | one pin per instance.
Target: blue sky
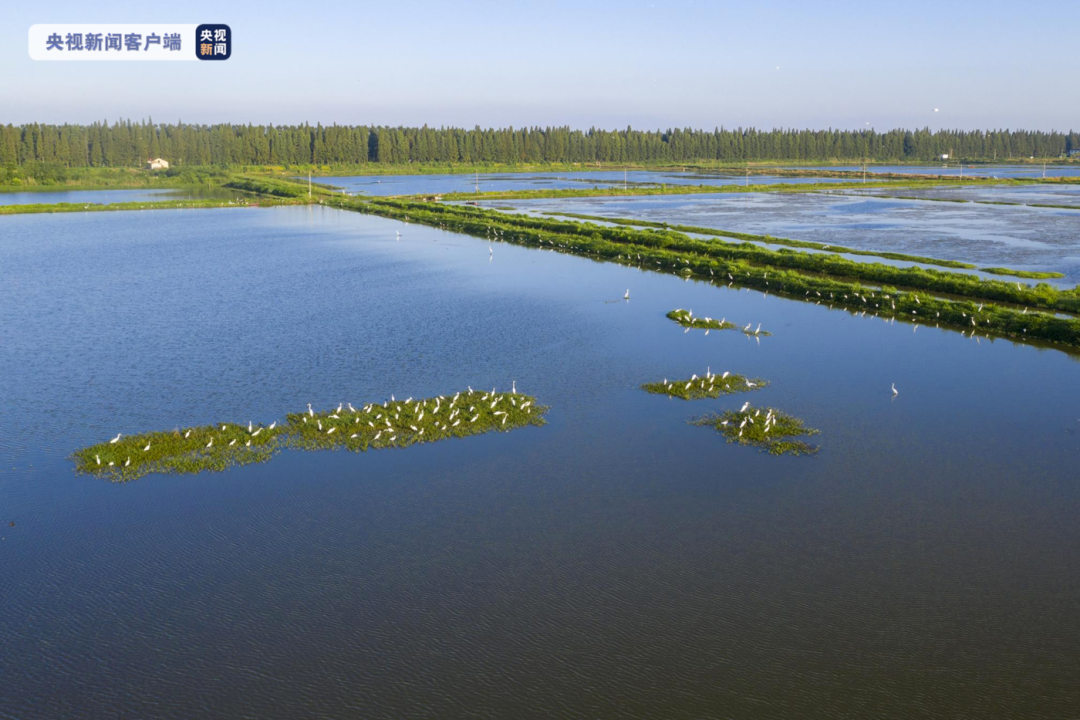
(607, 64)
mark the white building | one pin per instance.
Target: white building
(157, 164)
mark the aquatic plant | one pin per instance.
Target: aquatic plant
(399, 423)
(1027, 274)
(686, 319)
(187, 450)
(766, 428)
(390, 424)
(709, 386)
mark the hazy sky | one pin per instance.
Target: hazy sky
(649, 64)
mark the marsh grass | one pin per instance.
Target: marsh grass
(766, 428)
(178, 451)
(407, 422)
(710, 386)
(217, 447)
(686, 319)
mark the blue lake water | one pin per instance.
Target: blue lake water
(1025, 238)
(1039, 194)
(617, 562)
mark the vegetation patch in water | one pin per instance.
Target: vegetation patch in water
(766, 428)
(399, 423)
(709, 386)
(391, 424)
(188, 450)
(686, 319)
(1029, 274)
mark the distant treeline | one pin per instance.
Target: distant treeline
(127, 143)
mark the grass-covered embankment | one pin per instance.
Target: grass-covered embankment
(766, 428)
(616, 190)
(686, 319)
(387, 425)
(31, 209)
(810, 245)
(883, 290)
(709, 386)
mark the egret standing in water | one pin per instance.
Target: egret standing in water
(627, 295)
(895, 392)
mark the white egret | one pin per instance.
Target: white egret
(115, 439)
(895, 392)
(627, 295)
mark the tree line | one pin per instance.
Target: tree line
(127, 144)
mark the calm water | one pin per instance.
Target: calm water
(1001, 171)
(615, 563)
(1037, 194)
(107, 197)
(413, 184)
(988, 235)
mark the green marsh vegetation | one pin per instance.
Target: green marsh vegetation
(400, 423)
(180, 451)
(196, 203)
(766, 428)
(686, 319)
(810, 245)
(709, 386)
(962, 301)
(388, 425)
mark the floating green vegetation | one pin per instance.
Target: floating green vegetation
(391, 424)
(399, 423)
(686, 319)
(709, 386)
(1029, 274)
(765, 428)
(817, 277)
(190, 450)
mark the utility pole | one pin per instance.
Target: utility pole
(477, 182)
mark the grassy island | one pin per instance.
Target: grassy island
(400, 423)
(709, 386)
(390, 424)
(766, 428)
(686, 319)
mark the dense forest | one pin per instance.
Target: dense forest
(129, 144)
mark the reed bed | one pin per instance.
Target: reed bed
(686, 319)
(387, 425)
(709, 386)
(765, 428)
